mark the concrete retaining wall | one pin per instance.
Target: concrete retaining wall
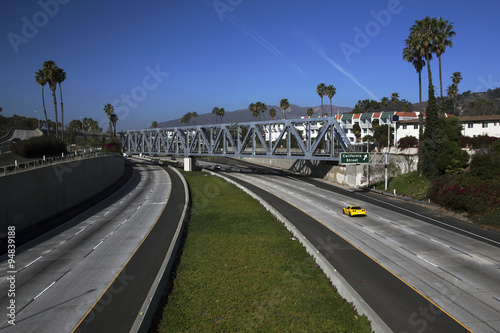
(350, 175)
(33, 196)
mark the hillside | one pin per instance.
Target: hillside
(244, 115)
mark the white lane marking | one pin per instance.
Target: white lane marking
(33, 261)
(432, 239)
(80, 231)
(44, 290)
(98, 245)
(106, 213)
(427, 261)
(121, 202)
(370, 230)
(437, 221)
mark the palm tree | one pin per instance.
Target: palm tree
(452, 94)
(260, 107)
(411, 55)
(453, 89)
(109, 110)
(114, 118)
(330, 91)
(221, 114)
(394, 99)
(272, 113)
(194, 114)
(60, 77)
(310, 112)
(51, 71)
(284, 105)
(253, 110)
(215, 111)
(154, 124)
(41, 79)
(384, 102)
(442, 39)
(421, 40)
(320, 90)
(456, 78)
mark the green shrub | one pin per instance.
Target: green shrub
(466, 193)
(112, 147)
(491, 219)
(39, 146)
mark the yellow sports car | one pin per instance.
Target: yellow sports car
(354, 210)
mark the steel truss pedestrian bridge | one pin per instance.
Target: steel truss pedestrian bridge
(306, 139)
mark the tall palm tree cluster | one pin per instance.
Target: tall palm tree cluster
(257, 108)
(218, 112)
(329, 91)
(52, 75)
(112, 117)
(427, 37)
(188, 116)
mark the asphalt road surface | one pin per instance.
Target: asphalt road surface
(60, 276)
(418, 270)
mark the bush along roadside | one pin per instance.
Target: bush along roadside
(479, 198)
(39, 146)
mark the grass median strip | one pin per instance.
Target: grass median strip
(241, 270)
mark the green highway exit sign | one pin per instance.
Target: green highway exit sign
(354, 158)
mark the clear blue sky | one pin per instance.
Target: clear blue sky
(157, 60)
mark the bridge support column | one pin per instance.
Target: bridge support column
(188, 163)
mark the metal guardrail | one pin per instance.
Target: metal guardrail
(49, 161)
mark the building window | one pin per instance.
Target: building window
(485, 125)
(470, 125)
(405, 126)
(415, 127)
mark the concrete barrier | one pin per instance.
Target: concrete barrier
(349, 175)
(37, 195)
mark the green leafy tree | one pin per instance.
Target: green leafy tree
(154, 124)
(408, 142)
(356, 129)
(310, 112)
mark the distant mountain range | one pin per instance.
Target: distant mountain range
(244, 115)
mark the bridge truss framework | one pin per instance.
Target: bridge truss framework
(307, 139)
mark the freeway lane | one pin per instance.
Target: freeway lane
(60, 277)
(119, 306)
(456, 272)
